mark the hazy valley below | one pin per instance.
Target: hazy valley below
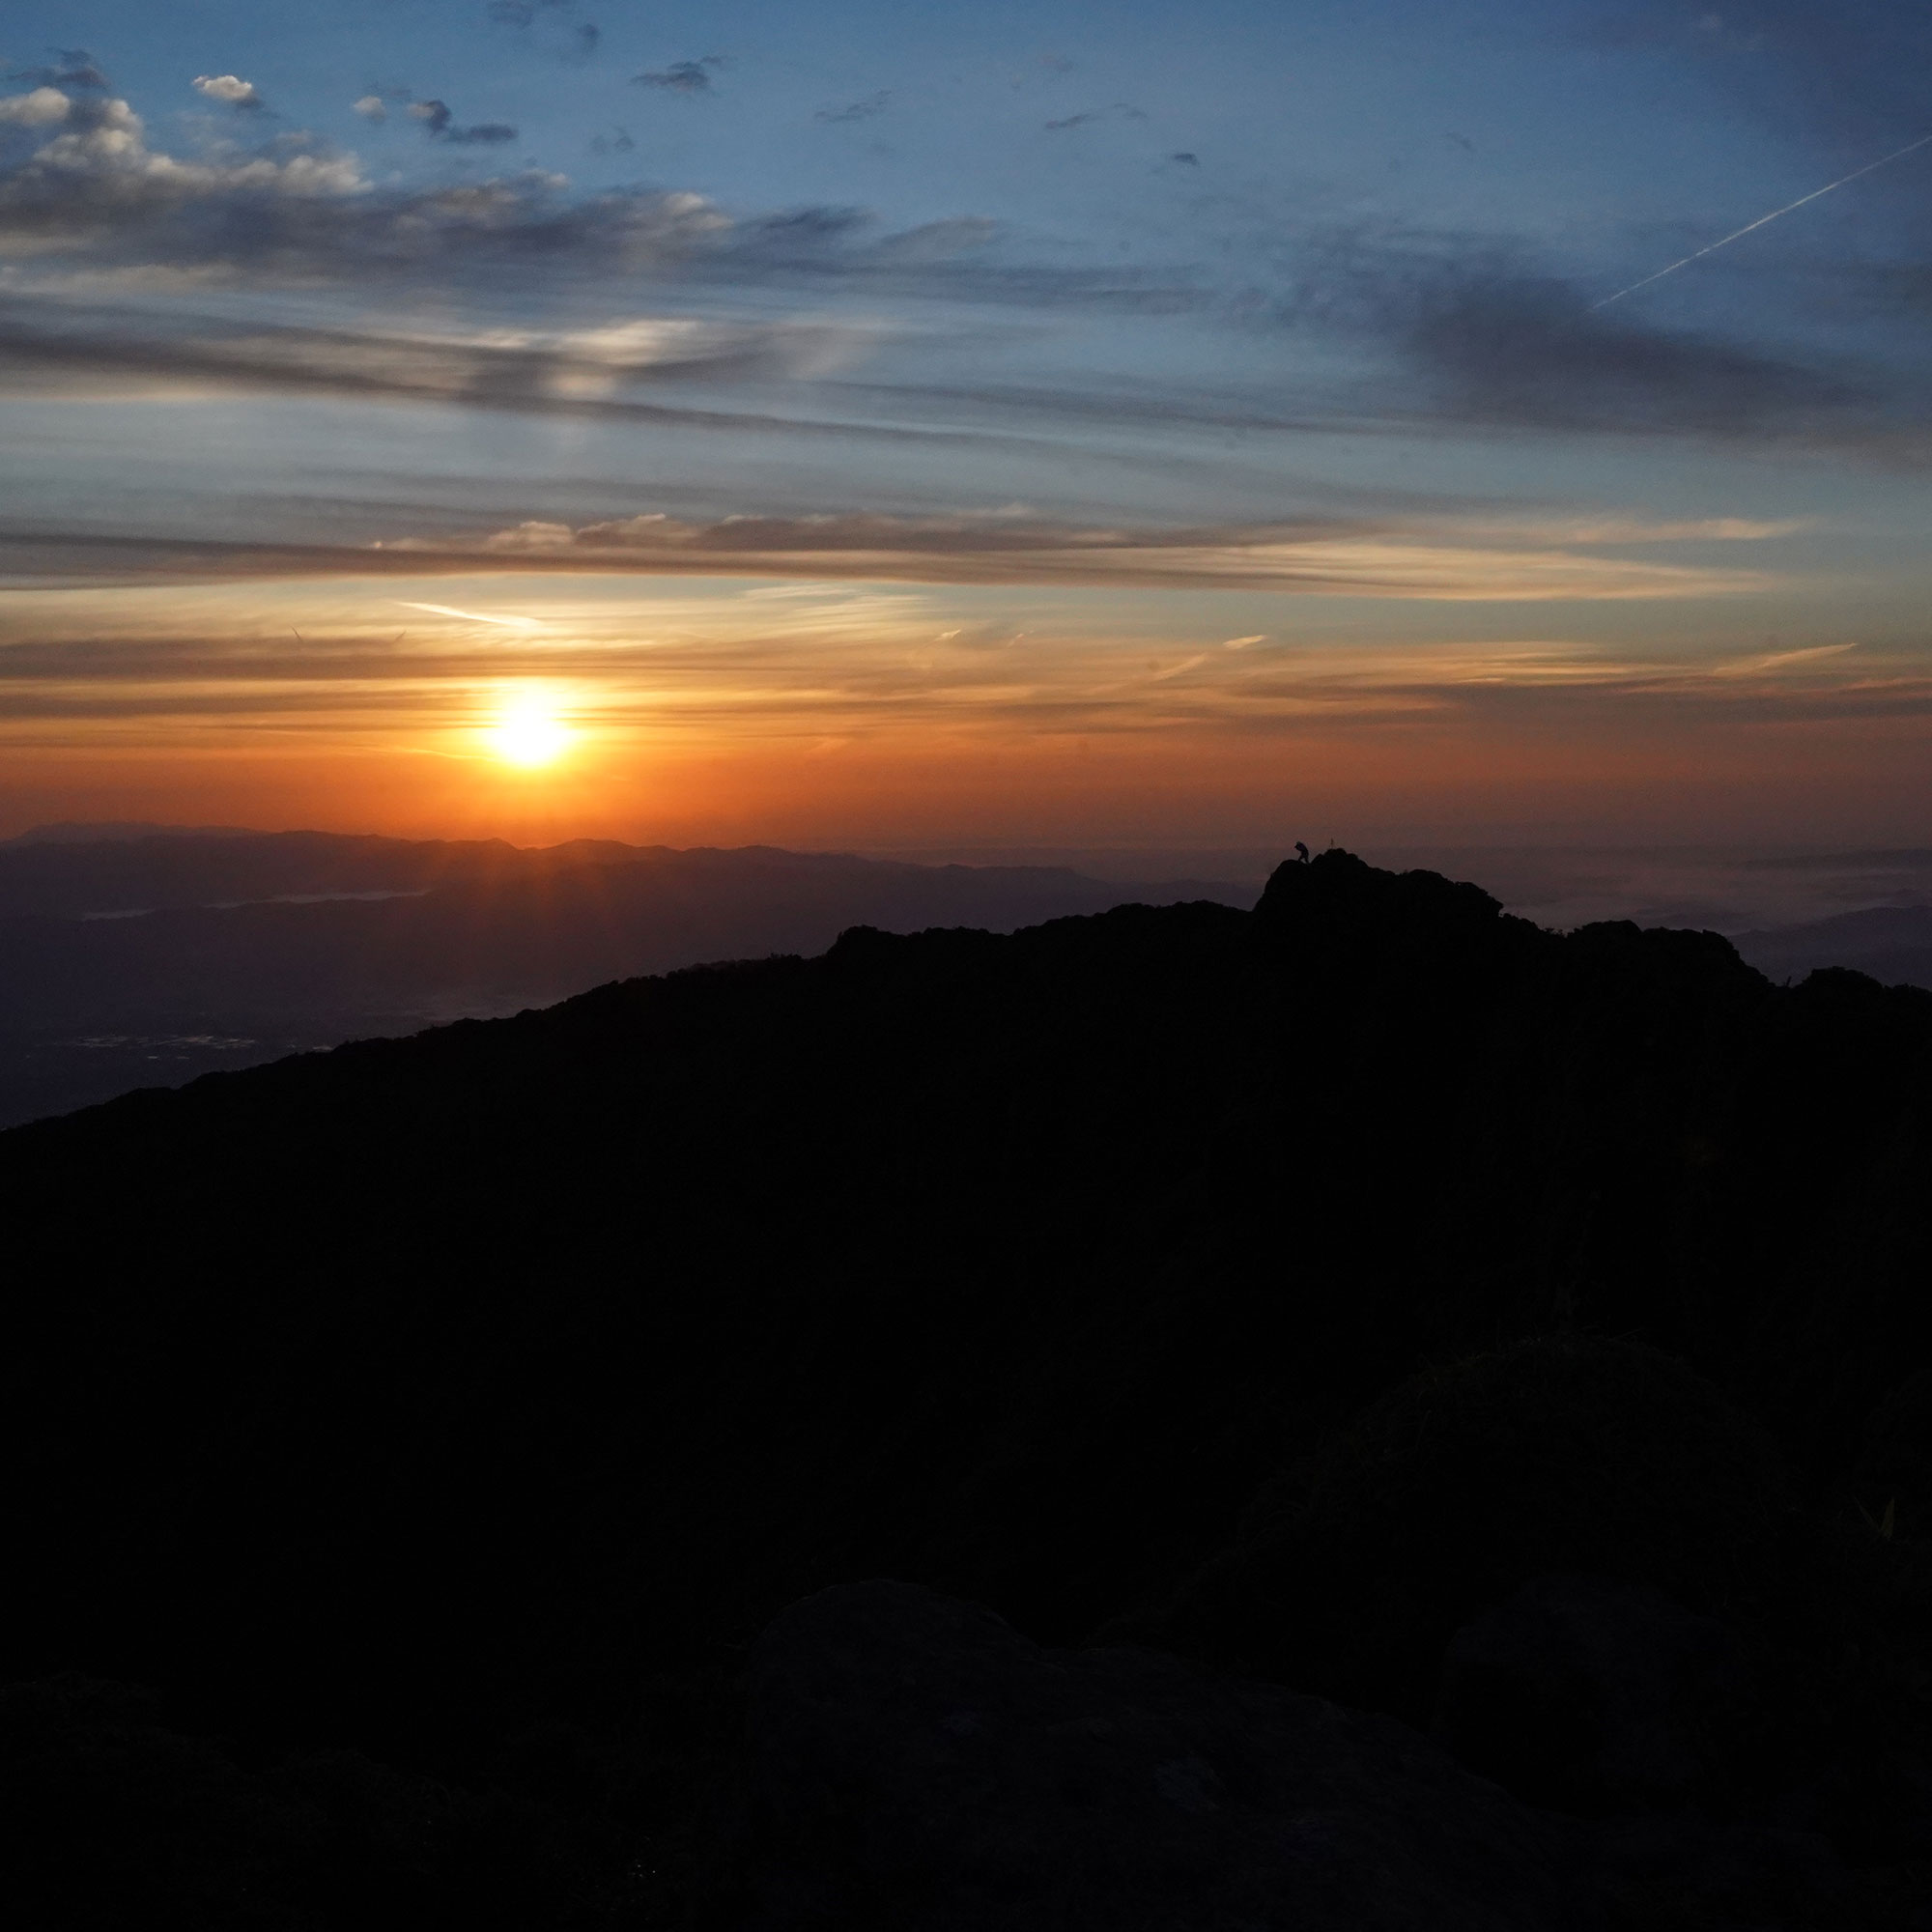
(151, 958)
(135, 955)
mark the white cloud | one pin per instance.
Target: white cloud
(372, 107)
(1782, 660)
(529, 536)
(100, 165)
(40, 108)
(1636, 529)
(228, 87)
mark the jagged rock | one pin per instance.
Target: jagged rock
(1564, 1455)
(914, 1763)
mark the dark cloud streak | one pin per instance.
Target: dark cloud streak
(857, 110)
(853, 548)
(579, 40)
(43, 340)
(690, 78)
(50, 349)
(1487, 336)
(1317, 555)
(1118, 109)
(76, 69)
(440, 125)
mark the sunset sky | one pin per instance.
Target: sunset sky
(911, 428)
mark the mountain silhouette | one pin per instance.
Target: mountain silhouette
(149, 956)
(1371, 1295)
(1892, 943)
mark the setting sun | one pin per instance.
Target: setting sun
(529, 732)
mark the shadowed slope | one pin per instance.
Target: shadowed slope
(142, 961)
(430, 1390)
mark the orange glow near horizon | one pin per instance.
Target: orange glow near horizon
(869, 716)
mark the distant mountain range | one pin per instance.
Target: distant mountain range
(135, 955)
(1893, 944)
(119, 831)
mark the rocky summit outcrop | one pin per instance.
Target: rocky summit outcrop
(914, 1763)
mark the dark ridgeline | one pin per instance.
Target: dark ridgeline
(150, 957)
(1890, 943)
(1372, 1294)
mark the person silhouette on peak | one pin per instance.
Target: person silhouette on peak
(1300, 853)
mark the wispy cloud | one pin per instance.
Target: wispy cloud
(1118, 110)
(1814, 656)
(1487, 336)
(1319, 556)
(549, 25)
(75, 68)
(689, 77)
(73, 348)
(1434, 560)
(439, 124)
(800, 659)
(1513, 681)
(863, 109)
(472, 616)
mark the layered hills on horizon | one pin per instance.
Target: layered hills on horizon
(137, 954)
(1891, 944)
(1359, 1413)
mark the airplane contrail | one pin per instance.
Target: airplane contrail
(1724, 239)
(474, 617)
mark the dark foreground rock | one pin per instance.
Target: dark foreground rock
(1604, 1696)
(914, 1763)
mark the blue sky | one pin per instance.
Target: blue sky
(1132, 320)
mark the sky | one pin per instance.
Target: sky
(904, 428)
